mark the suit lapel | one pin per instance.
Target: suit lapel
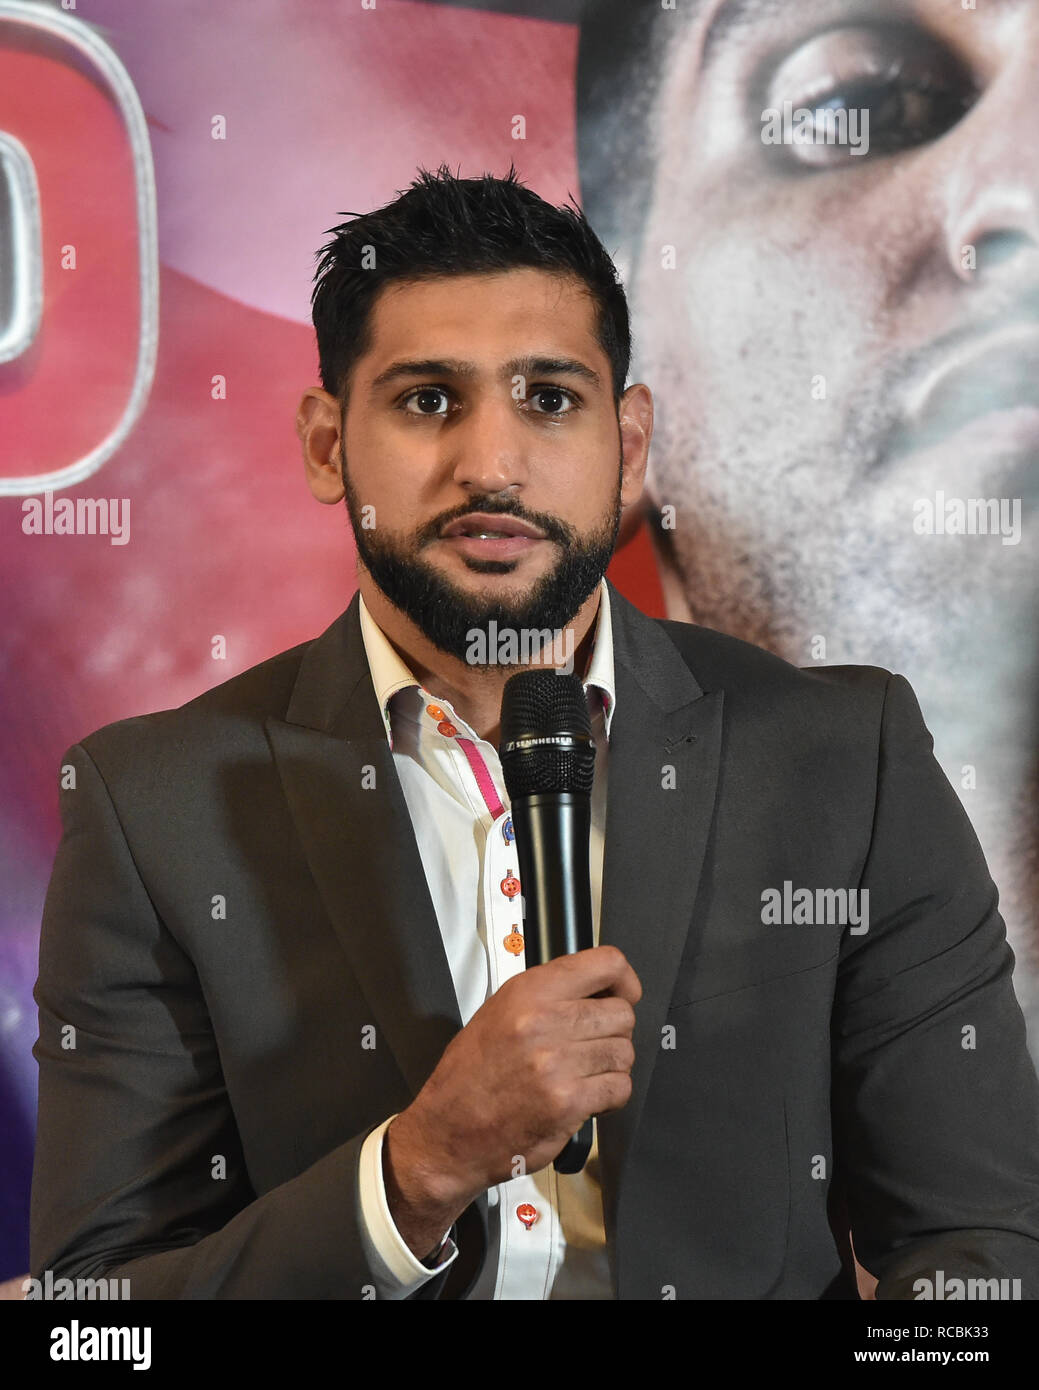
(345, 797)
(346, 800)
(657, 825)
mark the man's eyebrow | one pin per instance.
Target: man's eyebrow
(527, 367)
(422, 366)
(731, 17)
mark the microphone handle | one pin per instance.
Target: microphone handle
(574, 1154)
(553, 831)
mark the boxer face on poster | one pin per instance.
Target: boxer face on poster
(844, 343)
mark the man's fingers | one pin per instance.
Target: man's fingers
(606, 1055)
(607, 1016)
(607, 1091)
(602, 970)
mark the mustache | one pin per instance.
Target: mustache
(551, 527)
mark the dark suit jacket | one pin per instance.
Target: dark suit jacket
(230, 908)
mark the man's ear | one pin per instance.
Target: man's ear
(635, 418)
(318, 426)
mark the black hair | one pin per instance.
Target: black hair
(445, 225)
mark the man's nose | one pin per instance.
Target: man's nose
(487, 451)
(991, 191)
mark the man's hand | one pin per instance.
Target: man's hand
(549, 1049)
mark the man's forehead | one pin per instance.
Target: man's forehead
(427, 315)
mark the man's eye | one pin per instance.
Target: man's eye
(858, 91)
(554, 400)
(433, 400)
(427, 400)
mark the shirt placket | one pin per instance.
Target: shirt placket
(527, 1203)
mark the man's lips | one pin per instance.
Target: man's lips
(487, 524)
(484, 536)
(489, 548)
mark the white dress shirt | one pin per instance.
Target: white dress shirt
(455, 793)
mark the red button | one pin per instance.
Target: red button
(510, 886)
(527, 1214)
(447, 729)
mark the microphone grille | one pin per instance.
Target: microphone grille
(546, 734)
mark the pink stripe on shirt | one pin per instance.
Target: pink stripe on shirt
(484, 780)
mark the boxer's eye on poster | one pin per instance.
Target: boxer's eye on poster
(903, 87)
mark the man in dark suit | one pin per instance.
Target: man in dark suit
(288, 1048)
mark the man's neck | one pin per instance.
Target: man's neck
(475, 692)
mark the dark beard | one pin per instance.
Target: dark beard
(446, 615)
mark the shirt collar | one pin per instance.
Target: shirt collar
(390, 673)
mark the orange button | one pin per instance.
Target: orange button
(527, 1213)
(435, 711)
(447, 729)
(513, 943)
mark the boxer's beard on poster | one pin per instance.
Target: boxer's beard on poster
(448, 615)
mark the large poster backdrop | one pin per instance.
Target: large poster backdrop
(842, 336)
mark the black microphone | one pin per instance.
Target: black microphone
(548, 760)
